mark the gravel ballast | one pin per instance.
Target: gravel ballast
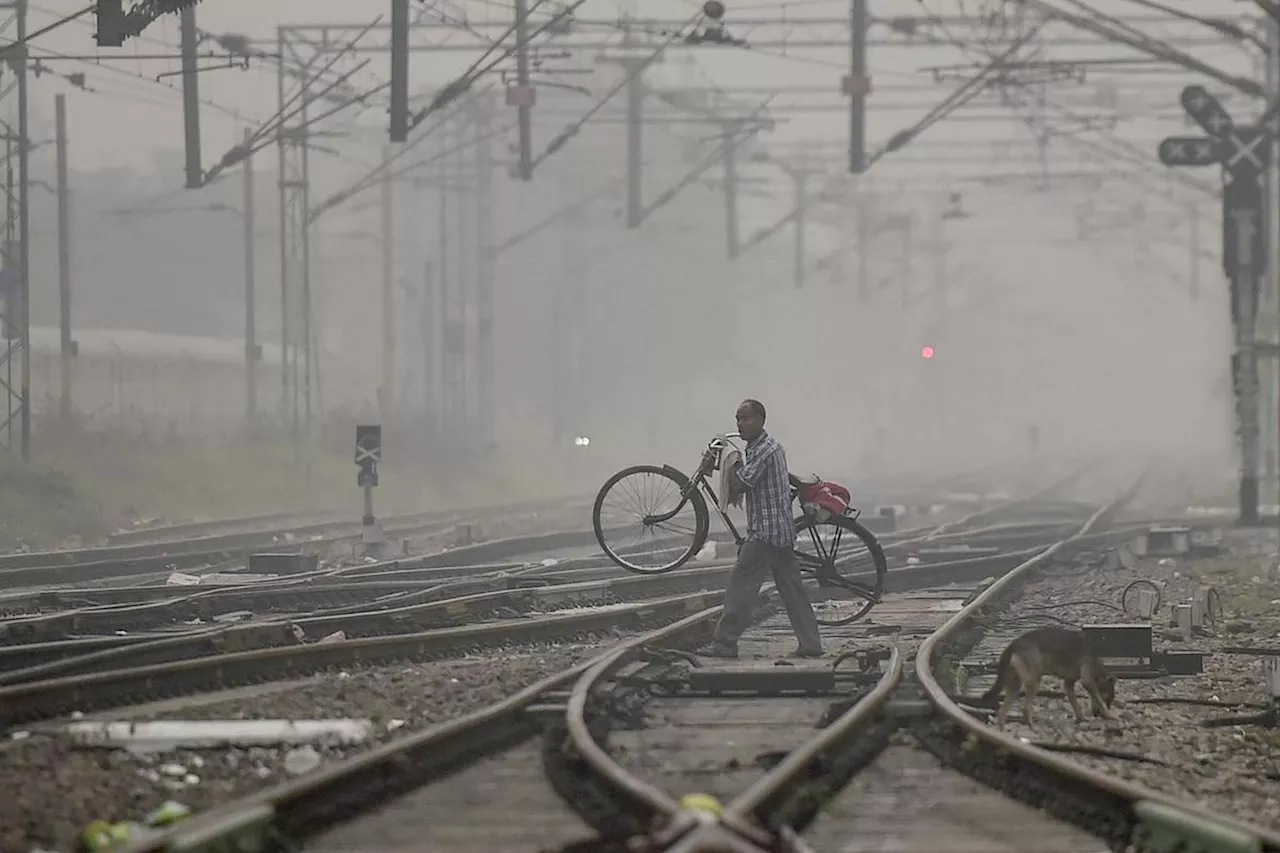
(54, 788)
(1231, 770)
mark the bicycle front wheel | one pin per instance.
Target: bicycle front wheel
(650, 519)
(849, 563)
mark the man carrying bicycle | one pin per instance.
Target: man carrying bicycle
(769, 544)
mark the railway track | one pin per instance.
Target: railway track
(87, 674)
(216, 549)
(97, 690)
(392, 600)
(224, 545)
(629, 734)
(965, 482)
(45, 678)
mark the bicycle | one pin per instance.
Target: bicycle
(828, 565)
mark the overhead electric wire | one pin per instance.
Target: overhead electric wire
(1127, 151)
(1221, 25)
(151, 83)
(1105, 27)
(375, 175)
(571, 130)
(61, 22)
(463, 82)
(966, 92)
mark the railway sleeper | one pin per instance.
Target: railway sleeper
(576, 602)
(377, 783)
(1102, 813)
(584, 791)
(823, 779)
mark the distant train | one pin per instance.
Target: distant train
(194, 384)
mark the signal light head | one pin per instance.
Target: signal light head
(926, 352)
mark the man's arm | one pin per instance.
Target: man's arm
(749, 472)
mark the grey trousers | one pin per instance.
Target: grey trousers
(755, 561)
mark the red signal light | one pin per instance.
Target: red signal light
(926, 352)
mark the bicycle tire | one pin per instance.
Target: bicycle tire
(702, 519)
(834, 577)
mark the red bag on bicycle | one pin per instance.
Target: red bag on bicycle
(832, 497)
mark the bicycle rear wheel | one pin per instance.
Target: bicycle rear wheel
(849, 563)
(649, 519)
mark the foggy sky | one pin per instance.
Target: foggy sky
(1034, 320)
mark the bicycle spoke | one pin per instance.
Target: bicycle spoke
(833, 557)
(632, 506)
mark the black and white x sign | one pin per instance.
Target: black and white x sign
(1189, 151)
(1246, 150)
(368, 445)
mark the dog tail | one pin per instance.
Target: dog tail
(1002, 675)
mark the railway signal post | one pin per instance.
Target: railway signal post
(368, 457)
(1243, 153)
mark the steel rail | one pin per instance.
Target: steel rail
(30, 575)
(195, 548)
(751, 816)
(305, 807)
(750, 820)
(662, 808)
(290, 522)
(1144, 812)
(166, 606)
(41, 661)
(53, 660)
(219, 543)
(300, 809)
(38, 700)
(308, 591)
(338, 589)
(763, 804)
(189, 529)
(312, 590)
(55, 567)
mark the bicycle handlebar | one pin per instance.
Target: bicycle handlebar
(715, 447)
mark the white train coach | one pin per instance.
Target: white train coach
(193, 384)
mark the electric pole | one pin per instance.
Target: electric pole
(483, 190)
(800, 178)
(635, 133)
(939, 224)
(730, 162)
(24, 228)
(864, 251)
(1193, 241)
(1270, 290)
(522, 95)
(250, 294)
(427, 325)
(908, 249)
(633, 62)
(399, 70)
(857, 85)
(386, 190)
(189, 41)
(451, 278)
(67, 347)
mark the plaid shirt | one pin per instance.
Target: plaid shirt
(764, 473)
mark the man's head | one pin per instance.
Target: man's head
(751, 419)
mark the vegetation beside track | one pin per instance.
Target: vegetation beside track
(84, 482)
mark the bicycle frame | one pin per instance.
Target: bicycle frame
(699, 482)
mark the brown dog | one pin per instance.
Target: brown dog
(1051, 650)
